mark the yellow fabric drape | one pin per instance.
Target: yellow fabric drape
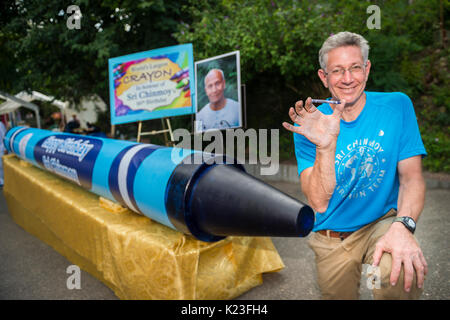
(136, 257)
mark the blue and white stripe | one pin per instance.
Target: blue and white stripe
(13, 137)
(123, 172)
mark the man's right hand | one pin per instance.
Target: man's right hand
(320, 129)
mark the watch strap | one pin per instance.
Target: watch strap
(405, 223)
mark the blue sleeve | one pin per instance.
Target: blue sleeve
(305, 152)
(410, 141)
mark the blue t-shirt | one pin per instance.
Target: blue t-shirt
(367, 152)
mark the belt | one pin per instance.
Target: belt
(335, 234)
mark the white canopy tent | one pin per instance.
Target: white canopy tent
(23, 99)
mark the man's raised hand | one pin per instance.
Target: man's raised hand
(320, 129)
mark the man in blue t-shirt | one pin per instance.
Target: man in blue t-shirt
(359, 163)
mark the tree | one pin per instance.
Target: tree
(44, 54)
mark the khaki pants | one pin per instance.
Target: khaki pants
(339, 264)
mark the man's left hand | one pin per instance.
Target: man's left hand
(404, 249)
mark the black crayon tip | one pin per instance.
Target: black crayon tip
(219, 200)
(227, 201)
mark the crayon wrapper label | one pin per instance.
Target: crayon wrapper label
(69, 156)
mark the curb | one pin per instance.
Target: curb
(288, 173)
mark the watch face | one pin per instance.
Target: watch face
(408, 222)
(411, 223)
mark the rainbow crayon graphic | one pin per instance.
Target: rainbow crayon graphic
(179, 73)
(183, 76)
(182, 83)
(185, 190)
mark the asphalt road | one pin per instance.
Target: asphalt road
(30, 269)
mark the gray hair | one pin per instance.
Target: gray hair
(214, 70)
(343, 39)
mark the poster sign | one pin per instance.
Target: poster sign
(218, 92)
(152, 84)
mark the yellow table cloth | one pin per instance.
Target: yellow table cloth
(136, 257)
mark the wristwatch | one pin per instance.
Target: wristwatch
(408, 222)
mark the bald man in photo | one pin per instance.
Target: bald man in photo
(220, 112)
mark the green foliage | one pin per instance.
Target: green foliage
(43, 54)
(278, 43)
(433, 108)
(437, 143)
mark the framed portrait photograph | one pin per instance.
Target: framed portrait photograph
(218, 93)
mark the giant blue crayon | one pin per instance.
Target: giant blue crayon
(205, 195)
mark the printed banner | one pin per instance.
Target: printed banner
(69, 157)
(152, 84)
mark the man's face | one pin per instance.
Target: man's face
(350, 85)
(214, 86)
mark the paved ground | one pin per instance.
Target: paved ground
(30, 269)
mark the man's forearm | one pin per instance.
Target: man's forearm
(320, 184)
(411, 197)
